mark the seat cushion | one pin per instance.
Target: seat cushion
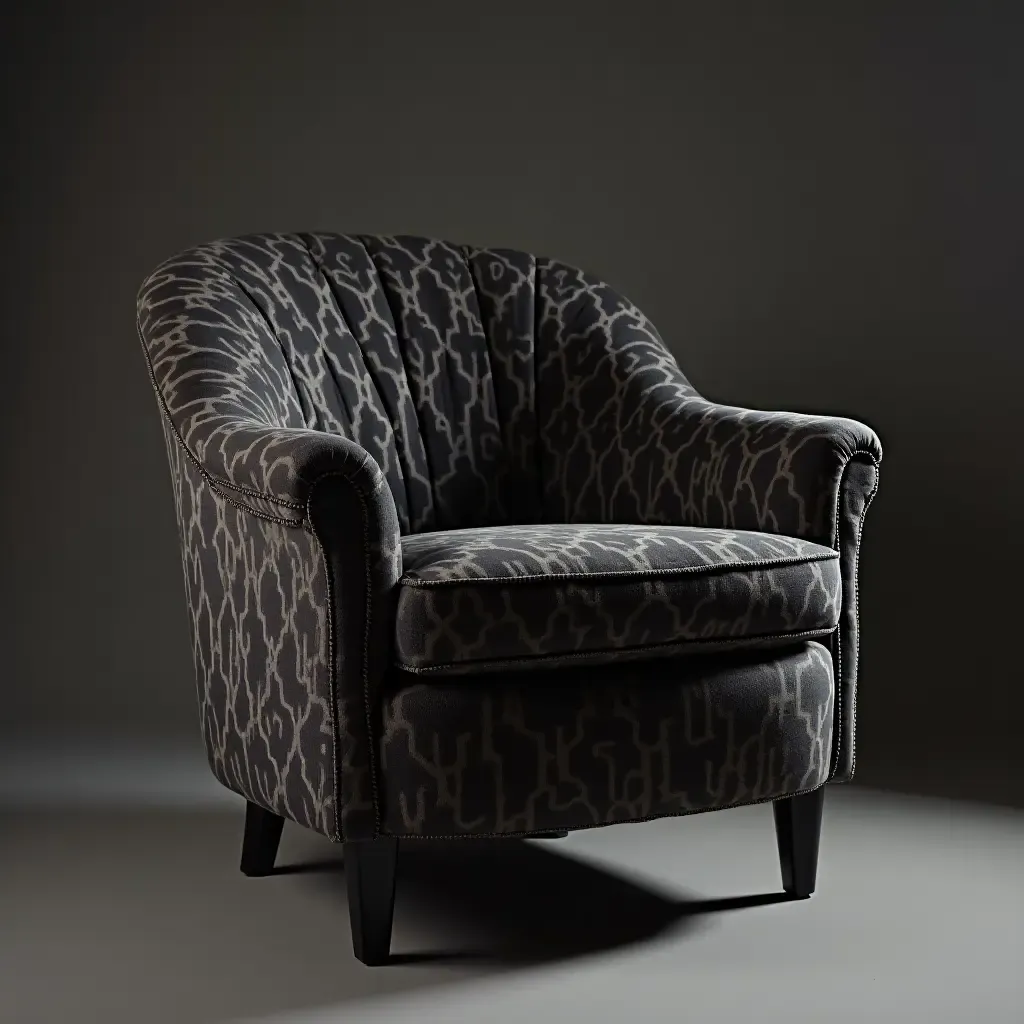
(515, 596)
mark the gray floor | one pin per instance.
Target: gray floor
(115, 913)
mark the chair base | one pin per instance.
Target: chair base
(798, 832)
(370, 866)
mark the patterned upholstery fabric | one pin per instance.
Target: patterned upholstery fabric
(572, 748)
(325, 396)
(258, 597)
(516, 596)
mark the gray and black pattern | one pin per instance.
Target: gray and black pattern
(328, 395)
(420, 351)
(626, 438)
(574, 748)
(258, 601)
(512, 596)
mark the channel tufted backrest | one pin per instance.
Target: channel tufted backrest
(488, 385)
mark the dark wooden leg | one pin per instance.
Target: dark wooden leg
(797, 829)
(370, 875)
(259, 844)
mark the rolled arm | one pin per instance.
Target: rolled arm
(776, 472)
(267, 488)
(275, 470)
(627, 438)
(779, 472)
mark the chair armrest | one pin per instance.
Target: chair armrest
(336, 605)
(776, 472)
(273, 471)
(627, 439)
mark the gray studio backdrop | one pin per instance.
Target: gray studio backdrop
(820, 213)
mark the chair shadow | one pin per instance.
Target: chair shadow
(511, 903)
(159, 906)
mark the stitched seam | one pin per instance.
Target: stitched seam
(837, 745)
(370, 742)
(193, 458)
(628, 574)
(807, 634)
(856, 593)
(873, 459)
(838, 708)
(537, 440)
(603, 824)
(332, 681)
(254, 493)
(255, 511)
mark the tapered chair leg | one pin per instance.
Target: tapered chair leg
(259, 844)
(370, 876)
(797, 829)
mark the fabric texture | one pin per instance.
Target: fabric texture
(258, 601)
(326, 396)
(574, 748)
(519, 596)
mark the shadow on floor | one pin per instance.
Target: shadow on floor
(522, 903)
(144, 915)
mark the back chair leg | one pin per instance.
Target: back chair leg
(260, 842)
(797, 830)
(370, 876)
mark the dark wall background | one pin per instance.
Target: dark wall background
(821, 212)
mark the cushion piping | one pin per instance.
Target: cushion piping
(826, 555)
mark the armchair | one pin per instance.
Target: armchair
(466, 555)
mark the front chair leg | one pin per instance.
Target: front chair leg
(259, 844)
(370, 876)
(797, 829)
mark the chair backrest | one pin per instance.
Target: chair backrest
(454, 367)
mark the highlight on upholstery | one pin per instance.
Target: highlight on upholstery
(329, 401)
(574, 748)
(519, 596)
